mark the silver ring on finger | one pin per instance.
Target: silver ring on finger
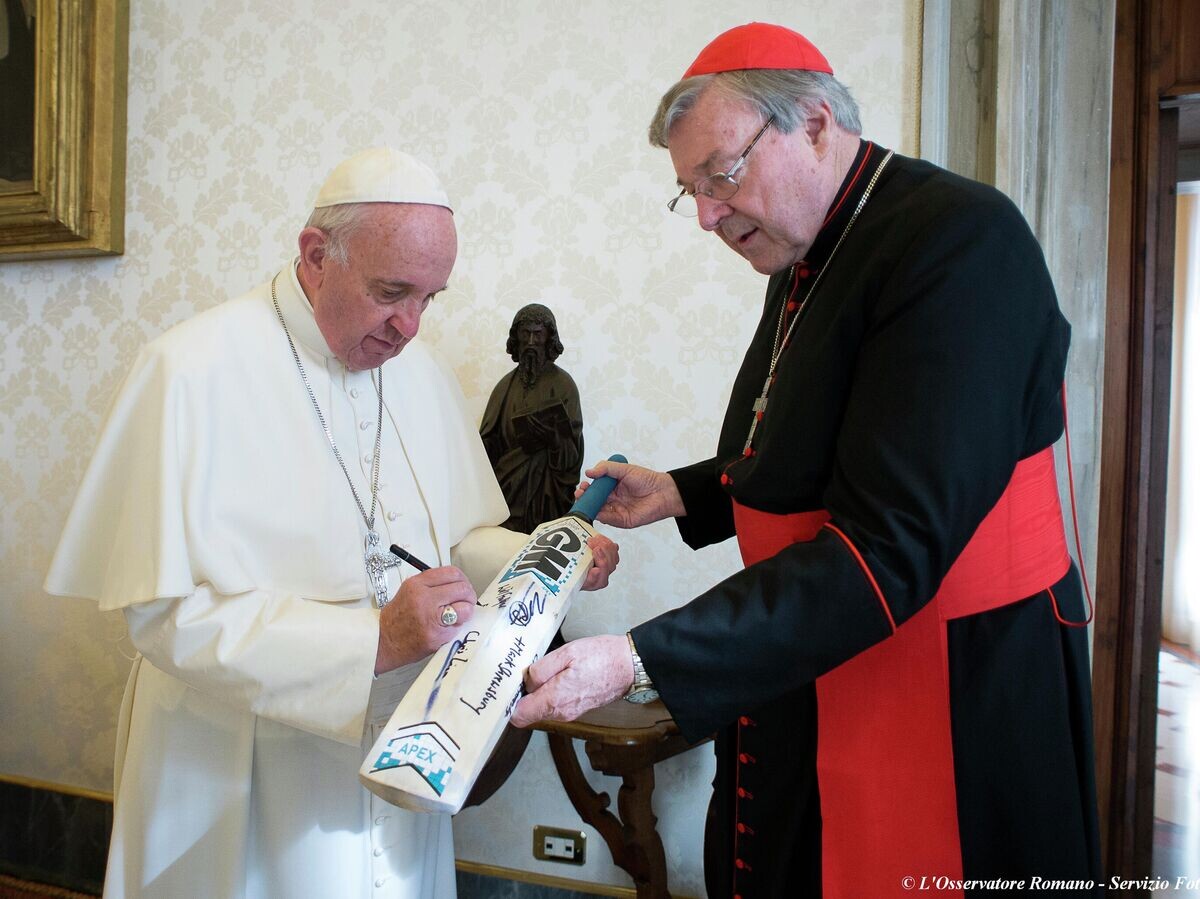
(449, 616)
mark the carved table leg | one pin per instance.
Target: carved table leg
(632, 838)
(593, 807)
(641, 835)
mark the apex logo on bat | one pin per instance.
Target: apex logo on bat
(425, 748)
(551, 556)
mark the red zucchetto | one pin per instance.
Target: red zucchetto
(758, 46)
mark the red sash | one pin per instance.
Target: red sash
(885, 763)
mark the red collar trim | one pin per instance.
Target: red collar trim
(848, 187)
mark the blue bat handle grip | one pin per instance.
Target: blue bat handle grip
(588, 505)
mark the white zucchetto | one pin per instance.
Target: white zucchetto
(382, 175)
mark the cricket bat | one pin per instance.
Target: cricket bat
(444, 729)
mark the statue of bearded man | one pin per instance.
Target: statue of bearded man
(533, 427)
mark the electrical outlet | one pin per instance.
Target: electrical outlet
(553, 844)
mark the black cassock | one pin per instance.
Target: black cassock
(926, 364)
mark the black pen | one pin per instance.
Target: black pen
(404, 555)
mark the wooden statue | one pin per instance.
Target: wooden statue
(533, 426)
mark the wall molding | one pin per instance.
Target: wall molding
(66, 789)
(1016, 95)
(55, 837)
(22, 861)
(545, 880)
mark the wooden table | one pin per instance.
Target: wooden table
(626, 741)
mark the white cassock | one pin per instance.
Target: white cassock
(215, 514)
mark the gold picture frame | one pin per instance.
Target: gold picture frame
(74, 202)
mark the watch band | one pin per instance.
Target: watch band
(642, 689)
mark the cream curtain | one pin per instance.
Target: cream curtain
(1181, 577)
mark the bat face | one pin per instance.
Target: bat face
(443, 731)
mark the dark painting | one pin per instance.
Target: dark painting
(17, 89)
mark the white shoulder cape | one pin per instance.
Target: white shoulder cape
(212, 468)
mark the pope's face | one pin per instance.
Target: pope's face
(400, 257)
(784, 187)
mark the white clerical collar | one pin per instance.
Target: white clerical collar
(298, 312)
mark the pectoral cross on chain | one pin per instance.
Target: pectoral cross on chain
(378, 562)
(760, 406)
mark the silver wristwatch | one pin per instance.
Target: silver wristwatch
(642, 689)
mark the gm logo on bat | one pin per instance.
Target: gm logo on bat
(551, 556)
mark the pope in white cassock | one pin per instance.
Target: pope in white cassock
(252, 465)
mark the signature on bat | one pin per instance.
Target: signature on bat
(508, 667)
(457, 648)
(503, 595)
(523, 610)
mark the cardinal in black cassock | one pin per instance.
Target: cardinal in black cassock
(899, 677)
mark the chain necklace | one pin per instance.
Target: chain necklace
(760, 404)
(377, 562)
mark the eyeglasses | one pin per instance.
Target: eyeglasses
(717, 186)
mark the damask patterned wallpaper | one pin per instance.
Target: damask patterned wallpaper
(534, 112)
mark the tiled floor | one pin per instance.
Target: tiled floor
(1177, 780)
